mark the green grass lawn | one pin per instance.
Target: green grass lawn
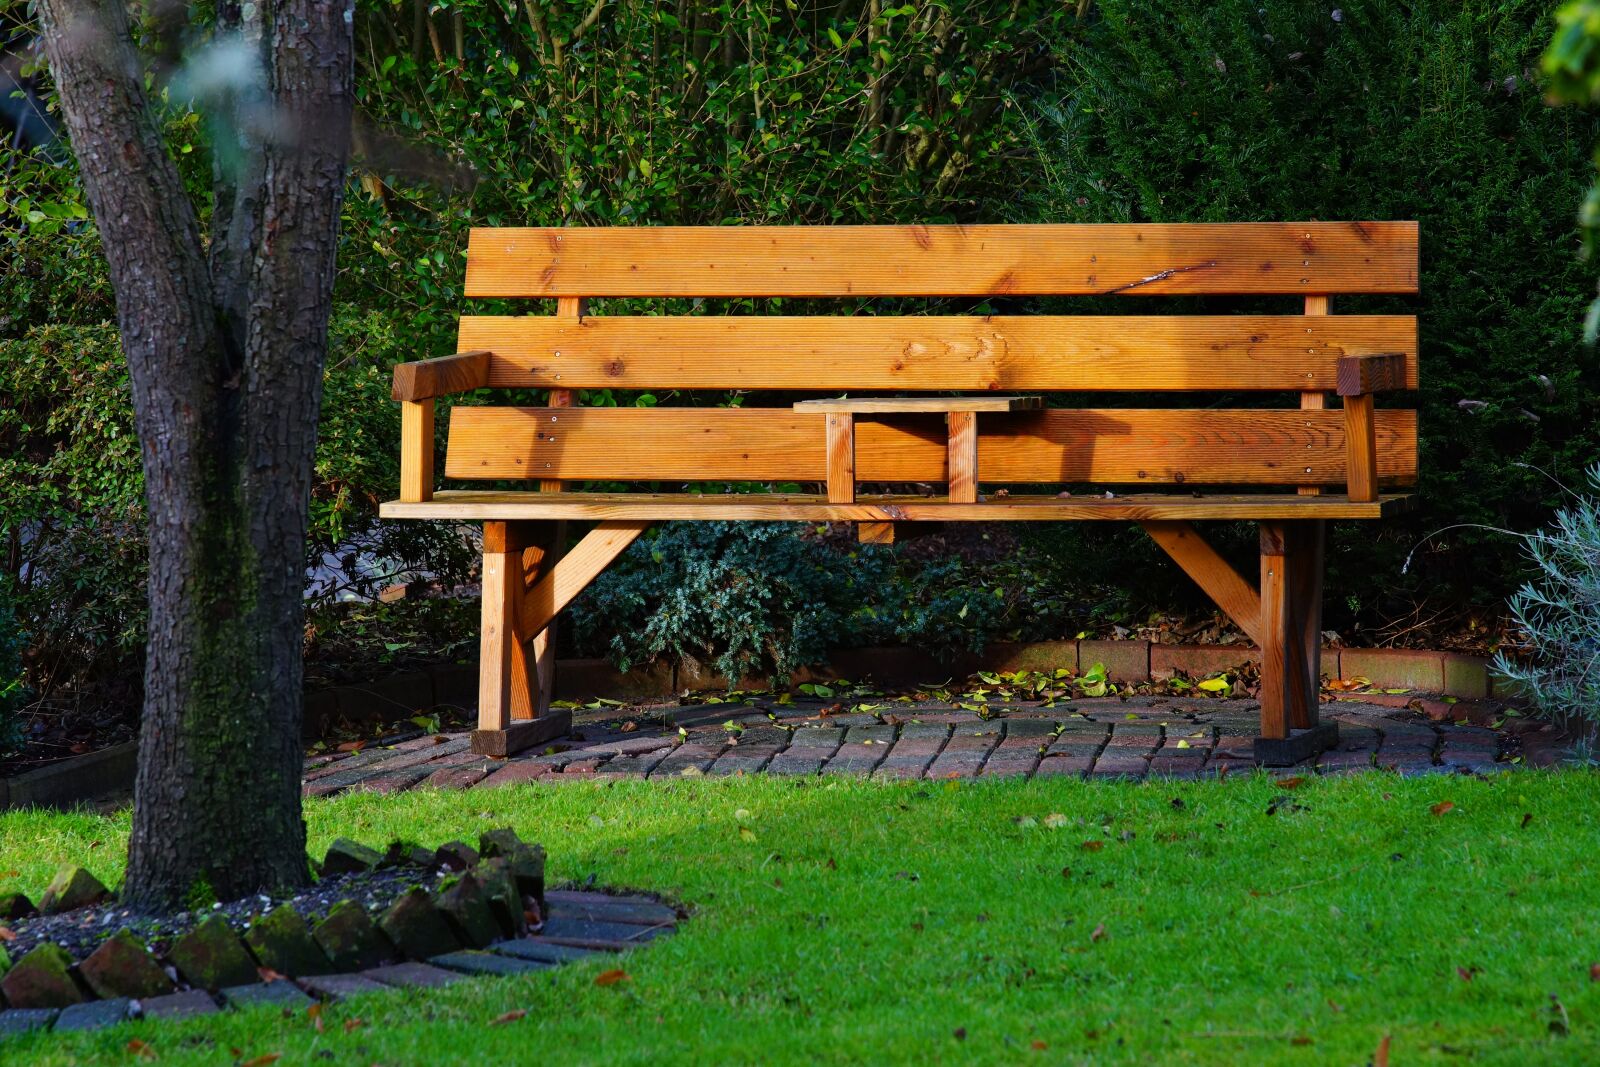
(1013, 922)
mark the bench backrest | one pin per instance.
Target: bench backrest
(1296, 353)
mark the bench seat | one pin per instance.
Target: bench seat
(479, 505)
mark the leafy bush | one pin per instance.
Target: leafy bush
(763, 599)
(752, 598)
(1559, 610)
(71, 505)
(1228, 110)
(12, 689)
(72, 492)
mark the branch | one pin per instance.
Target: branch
(588, 21)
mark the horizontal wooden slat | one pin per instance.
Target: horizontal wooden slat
(1134, 258)
(1087, 352)
(469, 504)
(1114, 446)
(902, 405)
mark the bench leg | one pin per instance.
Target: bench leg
(510, 696)
(1291, 646)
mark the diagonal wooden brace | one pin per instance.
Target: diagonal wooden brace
(1231, 592)
(552, 588)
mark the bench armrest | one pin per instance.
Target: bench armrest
(1358, 378)
(428, 378)
(415, 386)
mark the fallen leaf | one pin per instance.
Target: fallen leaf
(267, 974)
(1442, 807)
(629, 727)
(263, 1060)
(1526, 819)
(7, 934)
(611, 977)
(509, 1017)
(1290, 783)
(961, 1033)
(1093, 846)
(1040, 1046)
(352, 746)
(142, 1049)
(1594, 972)
(352, 1025)
(315, 1014)
(746, 834)
(1466, 973)
(1099, 933)
(1380, 1058)
(1055, 820)
(1300, 1040)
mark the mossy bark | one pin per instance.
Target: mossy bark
(225, 340)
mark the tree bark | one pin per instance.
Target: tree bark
(225, 348)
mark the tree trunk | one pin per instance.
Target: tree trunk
(225, 353)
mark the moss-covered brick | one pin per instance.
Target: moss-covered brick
(211, 956)
(350, 939)
(16, 906)
(466, 907)
(72, 887)
(281, 941)
(349, 857)
(415, 926)
(456, 855)
(406, 854)
(505, 899)
(527, 861)
(42, 979)
(123, 967)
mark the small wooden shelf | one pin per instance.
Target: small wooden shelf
(902, 405)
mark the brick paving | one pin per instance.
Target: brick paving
(1106, 738)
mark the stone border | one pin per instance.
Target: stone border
(476, 922)
(70, 781)
(456, 686)
(626, 921)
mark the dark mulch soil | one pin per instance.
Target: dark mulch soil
(80, 931)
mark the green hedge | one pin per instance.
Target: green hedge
(1200, 110)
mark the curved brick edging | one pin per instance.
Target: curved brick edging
(585, 924)
(490, 916)
(398, 697)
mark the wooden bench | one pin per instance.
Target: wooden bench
(1289, 468)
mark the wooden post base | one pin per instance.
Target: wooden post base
(1299, 745)
(522, 734)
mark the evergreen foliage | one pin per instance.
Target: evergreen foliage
(1236, 110)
